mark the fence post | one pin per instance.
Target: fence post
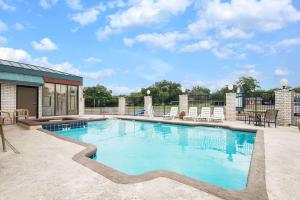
(230, 109)
(147, 104)
(183, 103)
(122, 105)
(284, 105)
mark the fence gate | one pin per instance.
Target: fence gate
(254, 102)
(296, 110)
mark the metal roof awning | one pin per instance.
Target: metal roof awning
(21, 79)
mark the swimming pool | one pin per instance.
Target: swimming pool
(217, 156)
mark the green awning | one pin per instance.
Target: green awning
(21, 79)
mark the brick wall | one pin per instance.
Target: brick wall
(121, 106)
(284, 103)
(81, 101)
(147, 102)
(8, 97)
(230, 108)
(183, 103)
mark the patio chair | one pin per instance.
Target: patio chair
(270, 117)
(193, 112)
(205, 114)
(20, 113)
(173, 113)
(141, 112)
(6, 116)
(218, 114)
(2, 134)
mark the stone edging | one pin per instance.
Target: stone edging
(256, 187)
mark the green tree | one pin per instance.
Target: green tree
(248, 83)
(297, 90)
(219, 94)
(198, 90)
(99, 96)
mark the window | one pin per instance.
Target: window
(48, 99)
(72, 100)
(61, 99)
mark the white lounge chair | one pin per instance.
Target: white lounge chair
(218, 114)
(173, 113)
(193, 112)
(205, 114)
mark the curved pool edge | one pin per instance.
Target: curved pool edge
(256, 185)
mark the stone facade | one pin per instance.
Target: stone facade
(230, 108)
(284, 103)
(81, 101)
(8, 97)
(183, 103)
(40, 94)
(122, 106)
(147, 104)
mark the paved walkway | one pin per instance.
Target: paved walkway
(44, 169)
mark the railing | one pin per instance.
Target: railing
(164, 108)
(296, 110)
(200, 101)
(255, 102)
(101, 111)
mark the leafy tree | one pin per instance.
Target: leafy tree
(99, 96)
(198, 90)
(248, 83)
(297, 90)
(219, 94)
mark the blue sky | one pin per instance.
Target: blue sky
(126, 45)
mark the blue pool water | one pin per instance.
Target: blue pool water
(214, 155)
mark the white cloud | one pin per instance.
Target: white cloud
(74, 4)
(44, 45)
(280, 72)
(92, 60)
(88, 16)
(3, 26)
(69, 68)
(153, 70)
(143, 13)
(14, 54)
(245, 15)
(5, 6)
(3, 41)
(289, 42)
(122, 90)
(198, 46)
(18, 26)
(157, 40)
(235, 33)
(47, 3)
(254, 47)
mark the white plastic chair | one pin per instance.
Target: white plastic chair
(218, 114)
(205, 114)
(173, 113)
(193, 112)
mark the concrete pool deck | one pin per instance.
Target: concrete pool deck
(44, 169)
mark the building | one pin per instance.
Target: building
(43, 91)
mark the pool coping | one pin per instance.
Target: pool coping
(256, 186)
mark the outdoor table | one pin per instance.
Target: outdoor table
(257, 116)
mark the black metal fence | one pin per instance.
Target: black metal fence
(254, 102)
(200, 101)
(296, 110)
(134, 106)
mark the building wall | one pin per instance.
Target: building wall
(8, 97)
(40, 93)
(81, 101)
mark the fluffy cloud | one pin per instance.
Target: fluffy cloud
(234, 33)
(280, 72)
(92, 60)
(3, 26)
(156, 40)
(18, 26)
(74, 4)
(47, 3)
(5, 6)
(254, 47)
(201, 45)
(143, 13)
(44, 45)
(289, 42)
(245, 16)
(14, 54)
(3, 41)
(88, 16)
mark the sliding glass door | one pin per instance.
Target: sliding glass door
(61, 99)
